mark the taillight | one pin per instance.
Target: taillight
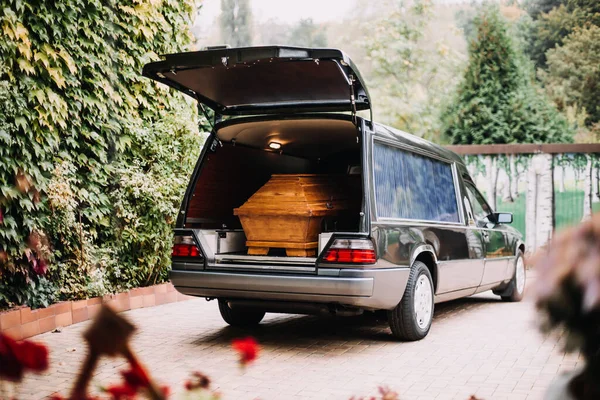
(184, 246)
(350, 251)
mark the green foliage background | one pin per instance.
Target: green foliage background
(498, 101)
(93, 157)
(561, 38)
(410, 77)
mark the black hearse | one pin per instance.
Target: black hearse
(422, 232)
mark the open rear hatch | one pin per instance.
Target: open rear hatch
(239, 158)
(265, 80)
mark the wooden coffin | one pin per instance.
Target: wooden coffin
(288, 211)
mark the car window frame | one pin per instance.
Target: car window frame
(486, 221)
(423, 153)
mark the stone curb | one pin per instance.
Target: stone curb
(23, 322)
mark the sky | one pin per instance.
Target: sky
(284, 10)
(290, 11)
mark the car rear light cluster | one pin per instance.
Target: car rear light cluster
(350, 251)
(185, 246)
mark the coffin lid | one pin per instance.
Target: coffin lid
(269, 79)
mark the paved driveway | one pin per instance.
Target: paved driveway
(477, 345)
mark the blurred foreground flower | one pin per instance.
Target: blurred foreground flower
(568, 299)
(247, 349)
(19, 357)
(385, 393)
(198, 381)
(198, 387)
(134, 380)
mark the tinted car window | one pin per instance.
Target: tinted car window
(411, 186)
(481, 210)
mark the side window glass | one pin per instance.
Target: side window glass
(412, 186)
(480, 208)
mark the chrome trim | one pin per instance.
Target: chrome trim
(405, 222)
(440, 298)
(418, 221)
(262, 268)
(460, 260)
(242, 258)
(423, 248)
(409, 148)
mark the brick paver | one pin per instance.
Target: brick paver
(477, 345)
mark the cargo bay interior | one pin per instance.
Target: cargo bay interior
(284, 177)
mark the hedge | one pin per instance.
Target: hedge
(93, 157)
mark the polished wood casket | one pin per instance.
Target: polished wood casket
(288, 211)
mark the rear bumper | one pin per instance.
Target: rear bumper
(371, 289)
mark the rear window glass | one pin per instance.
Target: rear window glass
(411, 186)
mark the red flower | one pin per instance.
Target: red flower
(10, 367)
(136, 376)
(33, 356)
(1, 216)
(134, 379)
(17, 357)
(247, 348)
(166, 391)
(121, 392)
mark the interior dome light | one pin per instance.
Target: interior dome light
(275, 145)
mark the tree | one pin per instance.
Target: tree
(236, 23)
(410, 79)
(553, 21)
(307, 34)
(497, 101)
(549, 31)
(573, 76)
(537, 7)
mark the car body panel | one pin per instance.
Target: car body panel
(463, 258)
(267, 79)
(463, 261)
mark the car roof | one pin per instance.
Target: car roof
(419, 143)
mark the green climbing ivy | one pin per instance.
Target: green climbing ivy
(91, 153)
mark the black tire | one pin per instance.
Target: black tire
(512, 294)
(403, 319)
(241, 317)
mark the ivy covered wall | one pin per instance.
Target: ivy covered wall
(94, 158)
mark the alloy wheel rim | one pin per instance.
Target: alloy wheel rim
(520, 275)
(423, 301)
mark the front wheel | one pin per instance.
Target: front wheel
(411, 319)
(516, 287)
(242, 317)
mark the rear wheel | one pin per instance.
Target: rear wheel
(516, 288)
(411, 319)
(240, 316)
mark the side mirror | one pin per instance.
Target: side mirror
(503, 218)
